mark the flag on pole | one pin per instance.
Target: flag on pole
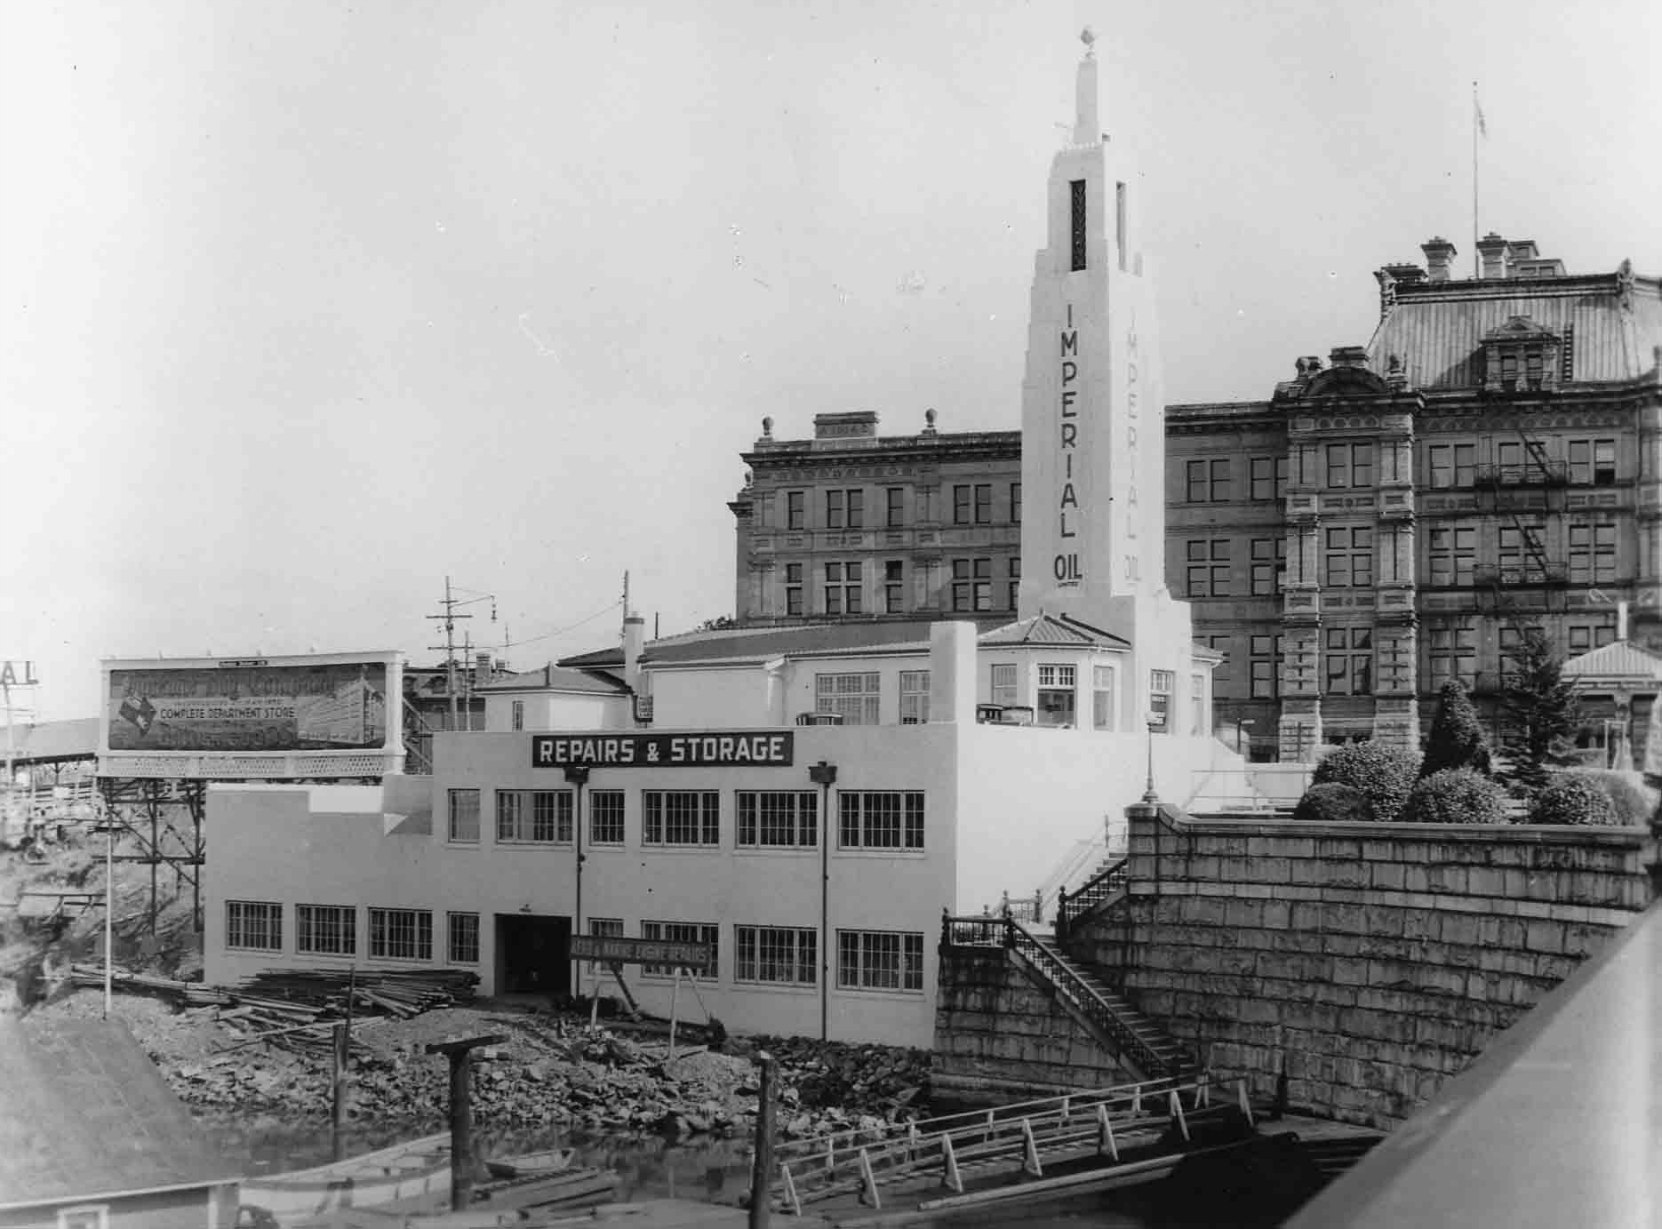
(1477, 112)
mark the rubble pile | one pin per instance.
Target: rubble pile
(833, 1086)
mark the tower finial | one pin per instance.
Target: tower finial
(1085, 129)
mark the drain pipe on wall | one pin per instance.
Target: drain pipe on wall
(824, 775)
(577, 775)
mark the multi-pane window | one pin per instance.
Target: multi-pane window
(1349, 661)
(1265, 659)
(604, 927)
(684, 932)
(1003, 690)
(1197, 703)
(1593, 462)
(845, 509)
(1453, 653)
(842, 588)
(254, 924)
(1207, 481)
(1161, 685)
(401, 934)
(606, 817)
(1592, 553)
(880, 819)
(1269, 477)
(519, 714)
(1013, 584)
(1522, 551)
(1224, 646)
(914, 697)
(1102, 697)
(962, 504)
(1453, 554)
(462, 941)
(1348, 563)
(1208, 567)
(1015, 503)
(793, 588)
(1056, 686)
(879, 960)
(796, 509)
(464, 816)
(777, 819)
(894, 586)
(854, 696)
(1349, 465)
(680, 817)
(780, 955)
(1269, 565)
(1585, 636)
(983, 503)
(894, 507)
(972, 584)
(541, 816)
(326, 930)
(1452, 465)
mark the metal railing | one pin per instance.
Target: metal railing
(861, 1162)
(1107, 888)
(1065, 980)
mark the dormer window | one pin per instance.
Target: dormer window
(1521, 356)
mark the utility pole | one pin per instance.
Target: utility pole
(448, 618)
(460, 1054)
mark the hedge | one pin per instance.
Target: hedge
(1456, 796)
(1334, 802)
(1573, 798)
(1386, 774)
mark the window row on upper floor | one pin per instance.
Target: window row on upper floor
(886, 821)
(889, 507)
(964, 585)
(1348, 465)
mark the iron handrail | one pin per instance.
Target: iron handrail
(1084, 996)
(1094, 894)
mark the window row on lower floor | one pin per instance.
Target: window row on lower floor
(765, 955)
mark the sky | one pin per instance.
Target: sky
(305, 307)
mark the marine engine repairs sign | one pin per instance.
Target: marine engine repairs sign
(615, 949)
(760, 748)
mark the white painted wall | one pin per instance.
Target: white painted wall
(550, 710)
(274, 848)
(711, 698)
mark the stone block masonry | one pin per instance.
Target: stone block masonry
(999, 1037)
(1368, 961)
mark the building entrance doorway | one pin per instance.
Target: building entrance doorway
(533, 954)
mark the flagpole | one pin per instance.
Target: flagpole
(1475, 113)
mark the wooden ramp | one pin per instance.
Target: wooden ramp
(1134, 1132)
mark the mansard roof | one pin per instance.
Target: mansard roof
(1613, 322)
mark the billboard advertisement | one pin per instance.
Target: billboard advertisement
(267, 706)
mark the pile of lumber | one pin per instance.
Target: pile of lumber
(398, 992)
(297, 1009)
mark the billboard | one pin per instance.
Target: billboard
(311, 710)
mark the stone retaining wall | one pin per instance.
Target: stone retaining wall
(1373, 960)
(999, 1037)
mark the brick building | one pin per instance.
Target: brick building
(1389, 518)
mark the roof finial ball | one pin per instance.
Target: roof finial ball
(1088, 37)
(767, 428)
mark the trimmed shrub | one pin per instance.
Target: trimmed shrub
(1455, 796)
(1633, 802)
(1573, 798)
(1456, 739)
(1384, 773)
(1334, 802)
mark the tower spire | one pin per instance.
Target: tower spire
(1085, 129)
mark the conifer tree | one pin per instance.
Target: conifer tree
(1457, 739)
(1541, 708)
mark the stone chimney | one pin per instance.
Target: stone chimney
(634, 639)
(1491, 249)
(1348, 356)
(1521, 249)
(1439, 258)
(481, 670)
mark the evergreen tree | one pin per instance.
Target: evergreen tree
(1541, 708)
(1457, 739)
